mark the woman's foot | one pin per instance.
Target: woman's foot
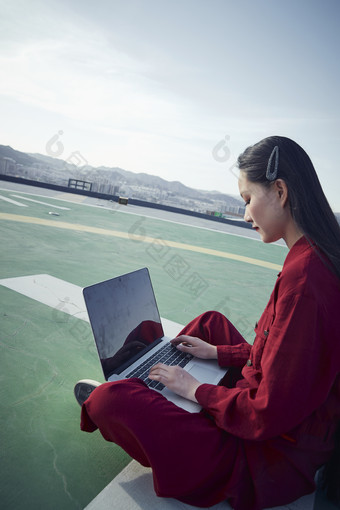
(83, 389)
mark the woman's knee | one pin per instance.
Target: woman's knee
(204, 324)
(114, 396)
(213, 327)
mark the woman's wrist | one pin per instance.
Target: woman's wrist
(214, 354)
(192, 392)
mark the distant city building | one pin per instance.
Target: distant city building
(7, 165)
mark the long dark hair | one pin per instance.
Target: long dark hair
(308, 205)
(312, 214)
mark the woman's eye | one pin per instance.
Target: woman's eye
(247, 202)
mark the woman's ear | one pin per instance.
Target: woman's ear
(282, 190)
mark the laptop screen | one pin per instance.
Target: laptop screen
(124, 318)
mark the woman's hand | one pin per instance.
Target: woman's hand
(176, 379)
(195, 346)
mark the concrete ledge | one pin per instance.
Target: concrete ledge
(132, 489)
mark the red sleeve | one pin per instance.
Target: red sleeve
(233, 355)
(291, 373)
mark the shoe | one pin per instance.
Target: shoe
(83, 389)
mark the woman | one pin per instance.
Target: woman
(266, 430)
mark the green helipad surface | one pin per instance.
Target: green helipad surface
(46, 461)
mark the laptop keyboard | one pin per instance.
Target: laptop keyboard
(169, 355)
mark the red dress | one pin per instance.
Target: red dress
(262, 435)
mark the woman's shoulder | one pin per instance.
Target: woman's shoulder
(306, 267)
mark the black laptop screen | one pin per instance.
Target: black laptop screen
(124, 318)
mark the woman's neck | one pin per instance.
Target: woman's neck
(292, 235)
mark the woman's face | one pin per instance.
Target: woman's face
(264, 209)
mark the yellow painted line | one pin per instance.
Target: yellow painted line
(135, 237)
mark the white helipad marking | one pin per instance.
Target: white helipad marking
(44, 203)
(12, 201)
(119, 208)
(51, 291)
(64, 296)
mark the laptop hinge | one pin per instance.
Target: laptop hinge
(135, 357)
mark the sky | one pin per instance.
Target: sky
(171, 88)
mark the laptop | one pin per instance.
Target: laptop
(129, 336)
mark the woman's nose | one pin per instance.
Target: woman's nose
(247, 217)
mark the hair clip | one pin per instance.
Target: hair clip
(272, 175)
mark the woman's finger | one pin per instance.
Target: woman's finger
(159, 370)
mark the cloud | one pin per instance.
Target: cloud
(131, 90)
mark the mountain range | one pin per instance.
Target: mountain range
(113, 180)
(43, 167)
